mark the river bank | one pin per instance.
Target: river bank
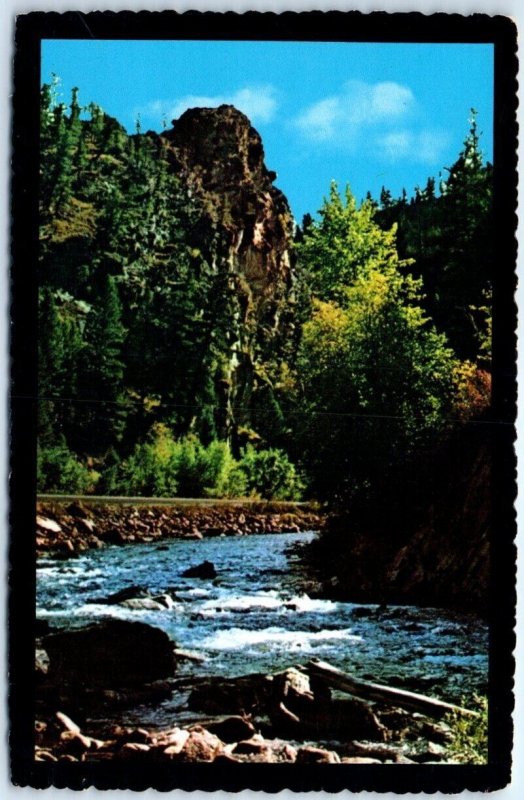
(188, 647)
(65, 527)
(87, 676)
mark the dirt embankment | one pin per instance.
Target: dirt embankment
(65, 527)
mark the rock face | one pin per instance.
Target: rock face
(220, 157)
(445, 560)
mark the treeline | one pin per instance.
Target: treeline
(388, 350)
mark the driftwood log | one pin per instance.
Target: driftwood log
(337, 679)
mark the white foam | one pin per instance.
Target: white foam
(238, 638)
(194, 592)
(269, 600)
(57, 571)
(303, 603)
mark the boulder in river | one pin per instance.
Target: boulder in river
(302, 707)
(204, 570)
(129, 593)
(143, 604)
(111, 653)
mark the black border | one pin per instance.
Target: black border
(312, 26)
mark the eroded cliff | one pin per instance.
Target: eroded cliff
(220, 157)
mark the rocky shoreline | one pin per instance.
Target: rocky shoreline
(67, 528)
(87, 676)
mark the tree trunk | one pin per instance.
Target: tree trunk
(383, 694)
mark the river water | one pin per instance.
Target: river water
(254, 618)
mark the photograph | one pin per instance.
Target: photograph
(263, 337)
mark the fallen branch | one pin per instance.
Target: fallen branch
(187, 655)
(401, 698)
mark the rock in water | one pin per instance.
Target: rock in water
(204, 570)
(112, 653)
(129, 593)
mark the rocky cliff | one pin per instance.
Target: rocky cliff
(220, 157)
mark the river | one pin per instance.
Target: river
(254, 618)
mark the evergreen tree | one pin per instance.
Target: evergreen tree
(345, 239)
(102, 407)
(51, 360)
(467, 244)
(449, 238)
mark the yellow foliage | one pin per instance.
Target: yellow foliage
(472, 390)
(76, 220)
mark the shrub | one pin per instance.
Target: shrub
(221, 474)
(270, 474)
(59, 470)
(470, 735)
(206, 471)
(164, 466)
(148, 471)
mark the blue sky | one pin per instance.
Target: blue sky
(363, 114)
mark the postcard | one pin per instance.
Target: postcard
(263, 401)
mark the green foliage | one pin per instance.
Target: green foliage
(165, 466)
(101, 414)
(60, 345)
(149, 471)
(153, 368)
(450, 236)
(469, 744)
(376, 378)
(270, 474)
(58, 470)
(346, 240)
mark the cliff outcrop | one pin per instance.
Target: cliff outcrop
(219, 156)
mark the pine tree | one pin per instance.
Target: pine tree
(467, 245)
(449, 238)
(51, 358)
(102, 407)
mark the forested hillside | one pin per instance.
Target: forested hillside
(166, 307)
(195, 341)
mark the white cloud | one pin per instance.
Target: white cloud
(376, 118)
(342, 117)
(395, 145)
(431, 145)
(390, 100)
(259, 103)
(319, 120)
(424, 146)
